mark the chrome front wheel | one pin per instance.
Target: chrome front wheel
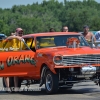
(51, 82)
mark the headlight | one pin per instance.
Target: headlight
(57, 60)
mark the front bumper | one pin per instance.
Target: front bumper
(88, 70)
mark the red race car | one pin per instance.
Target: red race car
(57, 59)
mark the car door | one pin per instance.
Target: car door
(16, 59)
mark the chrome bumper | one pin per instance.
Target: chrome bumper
(88, 70)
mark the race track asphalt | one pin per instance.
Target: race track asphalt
(80, 91)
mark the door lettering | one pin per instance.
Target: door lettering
(12, 60)
(1, 65)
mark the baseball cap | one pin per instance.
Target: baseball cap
(19, 29)
(85, 26)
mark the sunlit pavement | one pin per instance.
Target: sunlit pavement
(80, 91)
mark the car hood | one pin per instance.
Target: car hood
(70, 51)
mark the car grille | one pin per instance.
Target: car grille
(81, 59)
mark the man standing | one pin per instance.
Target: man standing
(65, 29)
(88, 35)
(19, 33)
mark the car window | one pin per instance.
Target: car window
(13, 45)
(30, 42)
(60, 40)
(45, 42)
(1, 45)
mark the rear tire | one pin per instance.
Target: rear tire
(51, 82)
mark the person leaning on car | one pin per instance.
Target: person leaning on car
(19, 33)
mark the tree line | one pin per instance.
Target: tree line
(37, 18)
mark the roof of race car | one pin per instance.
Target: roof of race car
(52, 34)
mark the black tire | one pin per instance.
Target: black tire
(51, 87)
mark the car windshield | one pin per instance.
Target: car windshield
(60, 40)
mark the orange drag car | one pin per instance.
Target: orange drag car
(57, 59)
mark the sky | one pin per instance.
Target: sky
(10, 3)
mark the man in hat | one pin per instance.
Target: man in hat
(88, 35)
(19, 32)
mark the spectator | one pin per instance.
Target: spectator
(52, 30)
(65, 29)
(19, 32)
(97, 35)
(88, 35)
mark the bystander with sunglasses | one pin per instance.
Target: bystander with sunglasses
(19, 32)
